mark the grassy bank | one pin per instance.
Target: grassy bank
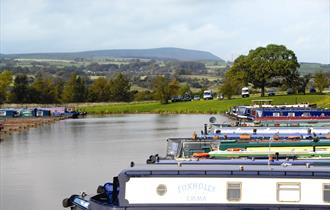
(214, 106)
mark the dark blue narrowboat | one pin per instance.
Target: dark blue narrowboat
(42, 113)
(292, 112)
(8, 113)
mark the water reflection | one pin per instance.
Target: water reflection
(41, 166)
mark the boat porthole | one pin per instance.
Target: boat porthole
(161, 189)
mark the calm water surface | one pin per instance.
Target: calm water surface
(41, 166)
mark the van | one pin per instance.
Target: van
(245, 92)
(208, 95)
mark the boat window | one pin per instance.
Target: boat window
(291, 114)
(306, 114)
(276, 114)
(288, 192)
(322, 115)
(326, 193)
(234, 191)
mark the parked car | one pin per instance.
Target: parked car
(197, 98)
(312, 90)
(186, 97)
(289, 91)
(271, 92)
(208, 95)
(245, 92)
(176, 98)
(220, 97)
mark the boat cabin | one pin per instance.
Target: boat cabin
(209, 186)
(8, 113)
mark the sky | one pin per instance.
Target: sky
(226, 28)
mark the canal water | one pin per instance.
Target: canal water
(41, 166)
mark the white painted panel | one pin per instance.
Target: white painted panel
(289, 196)
(209, 190)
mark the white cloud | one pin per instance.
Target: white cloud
(226, 28)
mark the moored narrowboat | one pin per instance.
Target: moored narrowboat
(4, 113)
(211, 186)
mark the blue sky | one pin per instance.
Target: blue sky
(227, 28)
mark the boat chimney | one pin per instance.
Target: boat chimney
(205, 129)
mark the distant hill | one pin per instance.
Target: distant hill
(306, 68)
(156, 53)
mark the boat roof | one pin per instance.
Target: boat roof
(228, 170)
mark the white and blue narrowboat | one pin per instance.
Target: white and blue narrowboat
(212, 186)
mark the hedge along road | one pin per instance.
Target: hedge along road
(201, 106)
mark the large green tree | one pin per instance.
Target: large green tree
(264, 63)
(161, 89)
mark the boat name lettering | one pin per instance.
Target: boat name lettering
(196, 187)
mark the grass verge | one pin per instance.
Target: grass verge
(202, 107)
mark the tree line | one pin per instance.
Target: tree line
(41, 89)
(44, 90)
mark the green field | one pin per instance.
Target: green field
(205, 107)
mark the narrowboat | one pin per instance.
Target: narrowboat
(211, 186)
(42, 113)
(245, 112)
(267, 130)
(255, 133)
(8, 113)
(26, 112)
(185, 148)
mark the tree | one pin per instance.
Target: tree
(321, 80)
(6, 78)
(43, 91)
(100, 90)
(21, 90)
(120, 88)
(185, 89)
(161, 89)
(74, 89)
(58, 88)
(80, 90)
(233, 83)
(303, 82)
(174, 87)
(264, 63)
